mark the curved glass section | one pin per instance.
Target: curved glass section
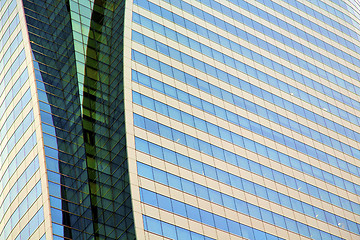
(77, 57)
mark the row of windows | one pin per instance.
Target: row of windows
(288, 27)
(16, 136)
(268, 96)
(14, 114)
(6, 174)
(59, 174)
(319, 16)
(20, 211)
(226, 156)
(238, 120)
(335, 12)
(58, 217)
(76, 208)
(7, 12)
(50, 141)
(6, 35)
(217, 73)
(57, 189)
(46, 111)
(52, 135)
(182, 39)
(170, 71)
(246, 185)
(170, 231)
(12, 70)
(17, 187)
(205, 217)
(259, 42)
(32, 225)
(10, 51)
(12, 93)
(252, 107)
(238, 205)
(57, 203)
(347, 7)
(325, 18)
(245, 142)
(60, 231)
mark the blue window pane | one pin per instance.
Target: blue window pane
(153, 226)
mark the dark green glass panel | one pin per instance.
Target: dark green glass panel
(88, 120)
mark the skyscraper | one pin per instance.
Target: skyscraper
(180, 119)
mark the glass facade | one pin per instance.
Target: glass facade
(64, 169)
(20, 185)
(179, 119)
(245, 118)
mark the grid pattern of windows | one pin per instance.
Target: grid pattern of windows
(200, 215)
(170, 231)
(246, 112)
(20, 187)
(241, 183)
(179, 119)
(77, 49)
(230, 202)
(240, 141)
